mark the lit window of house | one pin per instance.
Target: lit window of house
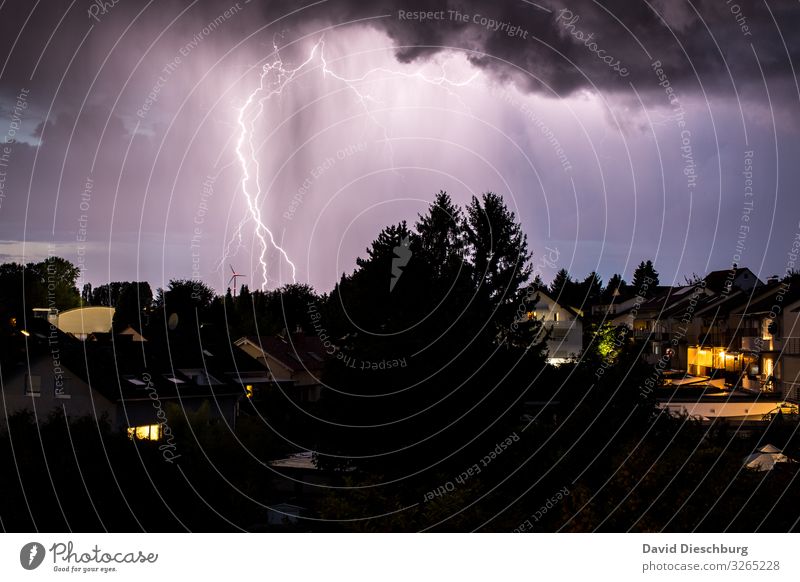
(767, 328)
(147, 432)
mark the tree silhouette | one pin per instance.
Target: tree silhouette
(616, 290)
(452, 333)
(134, 299)
(645, 279)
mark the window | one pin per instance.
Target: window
(248, 390)
(555, 316)
(766, 332)
(33, 385)
(199, 376)
(147, 432)
(61, 387)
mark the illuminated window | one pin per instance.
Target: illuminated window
(248, 390)
(147, 432)
(699, 357)
(766, 332)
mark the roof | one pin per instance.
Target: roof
(665, 303)
(296, 351)
(724, 304)
(765, 301)
(122, 369)
(573, 310)
(718, 281)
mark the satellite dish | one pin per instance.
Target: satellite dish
(172, 322)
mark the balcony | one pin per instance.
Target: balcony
(759, 344)
(656, 336)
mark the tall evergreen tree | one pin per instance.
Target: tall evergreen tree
(616, 290)
(589, 290)
(563, 288)
(498, 251)
(134, 298)
(645, 273)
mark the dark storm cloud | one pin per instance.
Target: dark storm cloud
(693, 40)
(109, 67)
(549, 51)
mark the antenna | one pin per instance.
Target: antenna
(233, 279)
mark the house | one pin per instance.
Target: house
(618, 305)
(769, 336)
(750, 337)
(136, 385)
(565, 325)
(659, 324)
(294, 362)
(45, 384)
(726, 280)
(729, 326)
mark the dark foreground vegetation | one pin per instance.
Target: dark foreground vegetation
(439, 410)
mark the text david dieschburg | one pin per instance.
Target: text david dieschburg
(693, 549)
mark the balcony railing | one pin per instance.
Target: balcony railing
(656, 336)
(791, 345)
(758, 344)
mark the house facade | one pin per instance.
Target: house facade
(124, 380)
(293, 362)
(565, 327)
(44, 385)
(729, 326)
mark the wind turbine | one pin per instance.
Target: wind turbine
(233, 279)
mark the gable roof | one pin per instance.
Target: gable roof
(573, 310)
(718, 281)
(126, 370)
(772, 294)
(296, 352)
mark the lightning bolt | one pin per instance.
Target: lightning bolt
(273, 79)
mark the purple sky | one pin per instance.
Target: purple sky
(142, 103)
